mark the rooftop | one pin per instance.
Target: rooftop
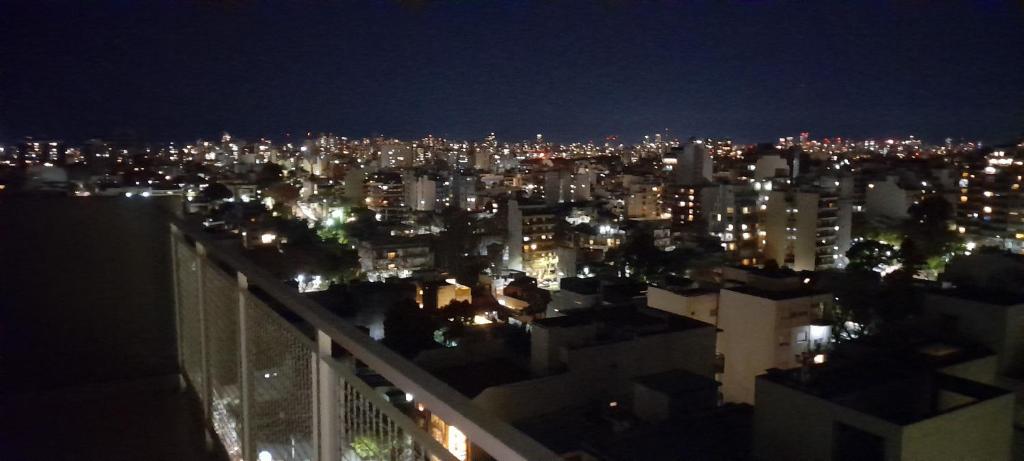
(894, 392)
(640, 321)
(473, 378)
(675, 382)
(723, 433)
(776, 295)
(999, 298)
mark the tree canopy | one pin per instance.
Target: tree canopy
(870, 255)
(409, 329)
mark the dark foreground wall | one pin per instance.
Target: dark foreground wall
(87, 335)
(85, 292)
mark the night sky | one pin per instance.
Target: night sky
(753, 71)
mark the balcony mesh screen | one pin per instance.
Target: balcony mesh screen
(188, 302)
(281, 384)
(220, 302)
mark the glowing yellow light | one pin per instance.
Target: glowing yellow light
(457, 443)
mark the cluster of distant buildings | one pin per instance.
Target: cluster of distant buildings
(616, 365)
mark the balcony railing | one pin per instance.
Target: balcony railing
(278, 376)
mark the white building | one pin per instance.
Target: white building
(643, 200)
(762, 329)
(804, 228)
(695, 303)
(693, 164)
(887, 199)
(878, 412)
(421, 193)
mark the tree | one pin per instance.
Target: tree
(269, 173)
(898, 299)
(870, 254)
(216, 192)
(639, 254)
(458, 240)
(333, 231)
(295, 231)
(409, 329)
(461, 311)
(928, 228)
(856, 299)
(363, 225)
(932, 210)
(911, 257)
(283, 194)
(343, 262)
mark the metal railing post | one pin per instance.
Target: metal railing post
(327, 400)
(203, 349)
(176, 290)
(314, 384)
(248, 451)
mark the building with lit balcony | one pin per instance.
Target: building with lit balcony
(764, 328)
(385, 195)
(641, 197)
(732, 216)
(41, 151)
(990, 210)
(803, 228)
(400, 257)
(531, 246)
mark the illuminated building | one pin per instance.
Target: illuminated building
(767, 327)
(385, 195)
(733, 218)
(421, 192)
(990, 207)
(399, 257)
(38, 152)
(642, 197)
(395, 154)
(355, 185)
(804, 228)
(771, 166)
(531, 241)
(439, 294)
(462, 188)
(684, 202)
(693, 163)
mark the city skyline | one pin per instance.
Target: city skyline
(574, 72)
(329, 230)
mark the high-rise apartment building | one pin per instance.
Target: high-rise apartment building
(732, 216)
(803, 228)
(991, 204)
(37, 151)
(531, 240)
(385, 194)
(693, 163)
